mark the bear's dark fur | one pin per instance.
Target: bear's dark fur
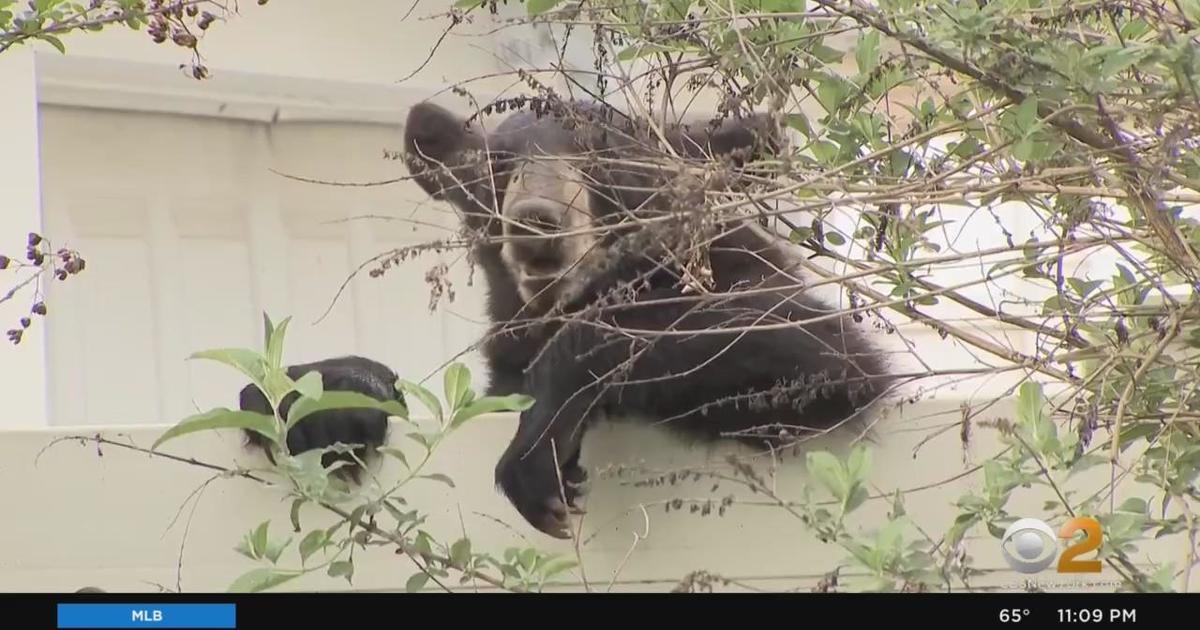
(360, 426)
(669, 312)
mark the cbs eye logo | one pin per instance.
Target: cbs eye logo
(1030, 546)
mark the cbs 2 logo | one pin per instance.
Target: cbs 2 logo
(1029, 545)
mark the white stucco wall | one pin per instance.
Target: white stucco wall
(123, 521)
(24, 366)
(166, 187)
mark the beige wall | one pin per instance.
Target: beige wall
(23, 367)
(165, 185)
(368, 41)
(123, 521)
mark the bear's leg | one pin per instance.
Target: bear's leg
(539, 471)
(767, 386)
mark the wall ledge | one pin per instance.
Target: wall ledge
(92, 82)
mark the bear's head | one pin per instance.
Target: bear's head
(554, 186)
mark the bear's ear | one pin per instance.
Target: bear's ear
(742, 139)
(435, 139)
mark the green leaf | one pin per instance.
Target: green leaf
(1030, 403)
(424, 395)
(401, 516)
(277, 384)
(858, 465)
(258, 540)
(268, 330)
(1027, 113)
(1134, 505)
(898, 505)
(866, 54)
(243, 547)
(858, 496)
(963, 523)
(423, 543)
(311, 385)
(827, 54)
(558, 565)
(438, 477)
(889, 538)
(295, 514)
(835, 238)
(968, 147)
(245, 361)
(394, 452)
(460, 552)
(54, 41)
(468, 4)
(831, 91)
(313, 542)
(457, 385)
(826, 152)
(1025, 149)
(918, 561)
(416, 582)
(1134, 29)
(274, 550)
(643, 49)
(998, 479)
(800, 234)
(1083, 287)
(538, 7)
(527, 558)
(1087, 461)
(341, 568)
(491, 404)
(1120, 59)
(800, 123)
(261, 579)
(309, 474)
(676, 9)
(222, 418)
(828, 470)
(424, 439)
(274, 356)
(341, 400)
(1030, 409)
(899, 162)
(864, 555)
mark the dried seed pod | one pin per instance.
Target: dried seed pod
(184, 38)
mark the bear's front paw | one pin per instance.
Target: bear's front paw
(364, 428)
(532, 485)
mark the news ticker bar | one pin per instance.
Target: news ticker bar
(270, 611)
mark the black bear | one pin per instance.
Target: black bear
(364, 427)
(616, 290)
